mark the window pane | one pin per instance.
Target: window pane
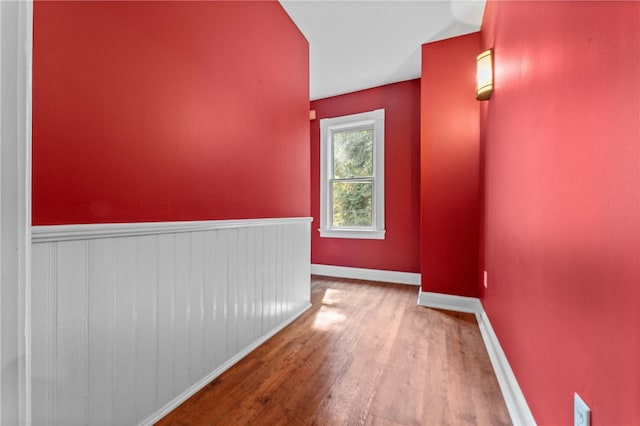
(353, 153)
(351, 204)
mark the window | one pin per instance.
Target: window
(352, 176)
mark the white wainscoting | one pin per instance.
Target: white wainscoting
(127, 324)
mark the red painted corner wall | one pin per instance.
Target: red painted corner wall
(399, 251)
(450, 167)
(561, 142)
(163, 111)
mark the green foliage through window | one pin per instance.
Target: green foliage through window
(352, 204)
(353, 153)
(352, 183)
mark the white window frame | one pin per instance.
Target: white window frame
(328, 126)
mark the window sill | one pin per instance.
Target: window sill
(363, 234)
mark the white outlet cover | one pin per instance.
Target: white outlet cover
(581, 412)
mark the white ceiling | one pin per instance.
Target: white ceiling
(360, 44)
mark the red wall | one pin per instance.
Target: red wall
(161, 111)
(399, 251)
(450, 166)
(561, 140)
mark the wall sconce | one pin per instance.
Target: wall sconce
(484, 75)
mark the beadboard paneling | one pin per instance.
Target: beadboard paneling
(127, 326)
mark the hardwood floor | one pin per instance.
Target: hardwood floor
(364, 354)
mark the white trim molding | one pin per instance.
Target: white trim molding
(513, 397)
(360, 234)
(16, 38)
(42, 234)
(449, 302)
(396, 277)
(373, 120)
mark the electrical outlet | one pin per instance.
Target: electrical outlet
(486, 280)
(581, 413)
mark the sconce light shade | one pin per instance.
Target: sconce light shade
(484, 75)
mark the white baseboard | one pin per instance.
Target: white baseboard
(514, 399)
(156, 417)
(409, 278)
(449, 302)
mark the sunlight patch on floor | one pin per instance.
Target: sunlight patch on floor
(327, 318)
(332, 297)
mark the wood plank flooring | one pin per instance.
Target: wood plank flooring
(364, 354)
